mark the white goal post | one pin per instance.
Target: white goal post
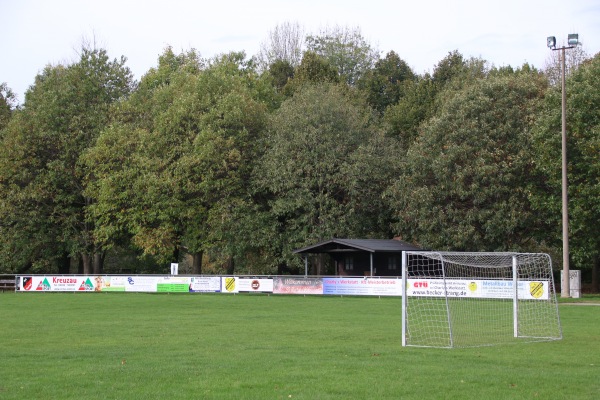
(460, 299)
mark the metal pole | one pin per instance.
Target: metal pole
(515, 273)
(404, 297)
(565, 290)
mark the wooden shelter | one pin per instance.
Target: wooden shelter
(361, 257)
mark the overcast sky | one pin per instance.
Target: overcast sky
(34, 33)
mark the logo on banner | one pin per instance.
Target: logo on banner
(86, 285)
(473, 286)
(44, 285)
(536, 289)
(27, 282)
(255, 285)
(230, 284)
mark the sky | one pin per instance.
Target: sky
(35, 33)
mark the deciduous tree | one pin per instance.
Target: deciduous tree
(323, 169)
(8, 103)
(384, 84)
(40, 172)
(162, 180)
(284, 44)
(464, 182)
(583, 150)
(346, 50)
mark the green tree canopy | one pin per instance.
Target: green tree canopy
(8, 103)
(384, 84)
(583, 150)
(464, 182)
(161, 179)
(346, 50)
(40, 173)
(323, 169)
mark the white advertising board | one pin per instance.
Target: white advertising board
(205, 284)
(363, 286)
(487, 289)
(262, 285)
(494, 289)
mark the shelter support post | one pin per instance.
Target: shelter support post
(305, 266)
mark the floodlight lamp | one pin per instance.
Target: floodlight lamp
(573, 39)
(551, 41)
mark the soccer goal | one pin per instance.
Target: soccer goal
(477, 299)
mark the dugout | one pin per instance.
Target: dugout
(358, 257)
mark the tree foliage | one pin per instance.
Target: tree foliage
(583, 149)
(40, 173)
(161, 179)
(573, 59)
(8, 103)
(384, 85)
(346, 50)
(237, 162)
(284, 44)
(422, 97)
(323, 169)
(464, 182)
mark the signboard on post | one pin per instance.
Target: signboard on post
(574, 283)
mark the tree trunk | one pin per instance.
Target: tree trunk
(64, 264)
(98, 263)
(197, 263)
(230, 266)
(595, 273)
(87, 264)
(175, 256)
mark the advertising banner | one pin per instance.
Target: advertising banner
(173, 284)
(363, 286)
(229, 284)
(297, 285)
(262, 285)
(487, 289)
(205, 284)
(110, 283)
(56, 283)
(367, 286)
(141, 284)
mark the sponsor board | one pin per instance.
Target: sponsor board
(173, 284)
(140, 284)
(485, 289)
(494, 289)
(56, 283)
(229, 284)
(205, 284)
(297, 285)
(363, 286)
(262, 285)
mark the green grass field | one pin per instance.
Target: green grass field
(211, 346)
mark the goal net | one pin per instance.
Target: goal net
(477, 299)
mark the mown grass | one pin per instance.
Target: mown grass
(160, 346)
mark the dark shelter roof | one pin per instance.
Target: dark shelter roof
(349, 245)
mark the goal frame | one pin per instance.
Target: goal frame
(442, 258)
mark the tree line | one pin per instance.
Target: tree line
(231, 163)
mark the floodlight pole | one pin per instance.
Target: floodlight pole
(573, 41)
